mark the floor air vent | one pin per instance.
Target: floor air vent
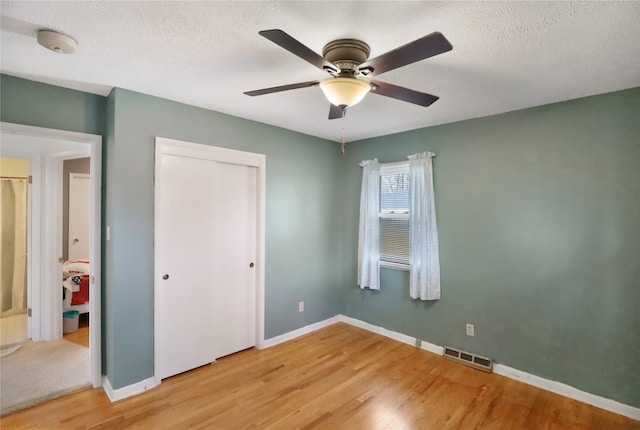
(468, 359)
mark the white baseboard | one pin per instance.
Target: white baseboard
(128, 391)
(400, 337)
(298, 332)
(568, 391)
(500, 369)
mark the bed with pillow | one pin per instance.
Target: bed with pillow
(75, 282)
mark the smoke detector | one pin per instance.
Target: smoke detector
(57, 42)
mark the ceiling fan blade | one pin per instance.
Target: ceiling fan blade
(402, 93)
(425, 47)
(287, 42)
(282, 88)
(336, 112)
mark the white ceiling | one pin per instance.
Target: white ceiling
(506, 55)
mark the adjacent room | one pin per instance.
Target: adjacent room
(355, 215)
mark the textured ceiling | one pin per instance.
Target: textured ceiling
(506, 55)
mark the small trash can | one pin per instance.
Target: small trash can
(70, 321)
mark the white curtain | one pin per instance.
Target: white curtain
(13, 235)
(423, 230)
(369, 236)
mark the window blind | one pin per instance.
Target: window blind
(394, 240)
(394, 213)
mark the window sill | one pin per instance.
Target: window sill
(396, 266)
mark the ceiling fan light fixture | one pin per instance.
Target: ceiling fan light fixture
(344, 91)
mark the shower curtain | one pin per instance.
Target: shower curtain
(13, 239)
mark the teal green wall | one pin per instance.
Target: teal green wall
(301, 231)
(539, 225)
(41, 105)
(538, 212)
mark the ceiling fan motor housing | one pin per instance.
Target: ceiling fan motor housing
(347, 54)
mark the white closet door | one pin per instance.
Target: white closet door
(185, 234)
(79, 216)
(234, 252)
(205, 242)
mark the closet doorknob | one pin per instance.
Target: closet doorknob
(165, 276)
(250, 264)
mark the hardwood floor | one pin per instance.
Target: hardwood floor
(340, 377)
(80, 337)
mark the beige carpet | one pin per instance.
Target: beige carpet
(39, 371)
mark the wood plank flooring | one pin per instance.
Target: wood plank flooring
(80, 337)
(340, 377)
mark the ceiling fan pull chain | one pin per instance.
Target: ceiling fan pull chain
(342, 141)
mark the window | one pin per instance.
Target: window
(391, 236)
(394, 215)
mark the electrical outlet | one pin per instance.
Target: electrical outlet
(300, 306)
(470, 330)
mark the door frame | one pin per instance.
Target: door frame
(45, 246)
(165, 146)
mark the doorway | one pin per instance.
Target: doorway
(76, 248)
(46, 150)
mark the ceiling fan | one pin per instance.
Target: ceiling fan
(346, 60)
